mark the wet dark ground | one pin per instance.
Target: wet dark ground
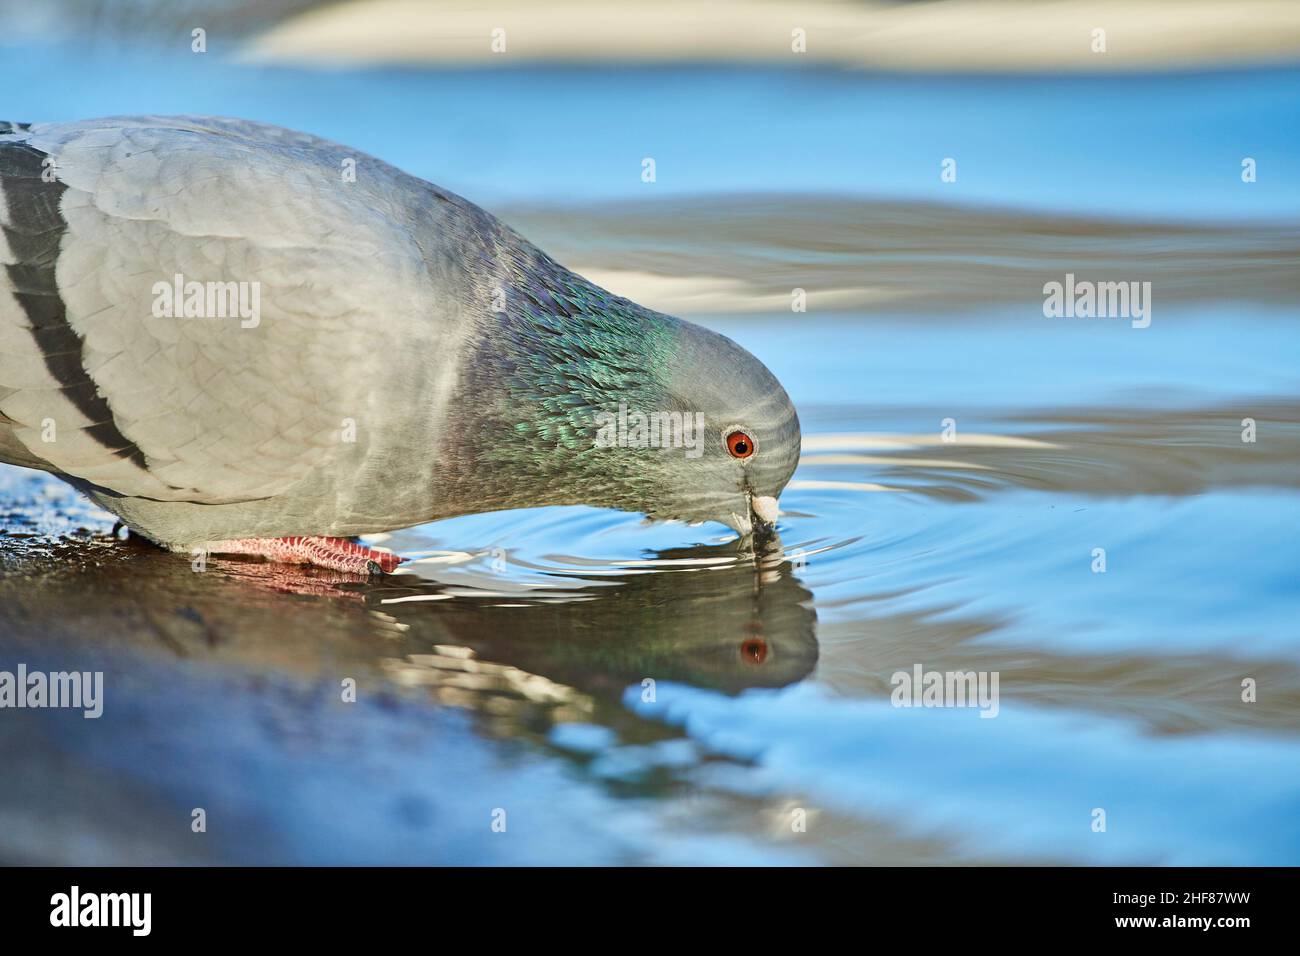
(223, 691)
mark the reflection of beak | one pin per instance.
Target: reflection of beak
(765, 512)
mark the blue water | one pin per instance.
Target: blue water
(1120, 690)
(1168, 146)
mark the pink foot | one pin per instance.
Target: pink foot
(335, 553)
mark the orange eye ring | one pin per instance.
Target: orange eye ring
(753, 650)
(739, 444)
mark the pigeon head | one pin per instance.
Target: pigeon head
(584, 397)
(744, 428)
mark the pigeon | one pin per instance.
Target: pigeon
(241, 339)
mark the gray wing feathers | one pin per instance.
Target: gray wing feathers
(203, 409)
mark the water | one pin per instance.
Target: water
(1167, 145)
(505, 667)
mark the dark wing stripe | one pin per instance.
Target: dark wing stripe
(34, 231)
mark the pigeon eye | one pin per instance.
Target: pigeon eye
(753, 650)
(739, 444)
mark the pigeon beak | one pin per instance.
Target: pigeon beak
(765, 512)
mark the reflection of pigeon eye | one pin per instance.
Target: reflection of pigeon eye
(754, 650)
(740, 445)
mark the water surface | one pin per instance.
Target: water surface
(656, 693)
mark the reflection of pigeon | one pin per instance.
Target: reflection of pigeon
(744, 622)
(238, 337)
